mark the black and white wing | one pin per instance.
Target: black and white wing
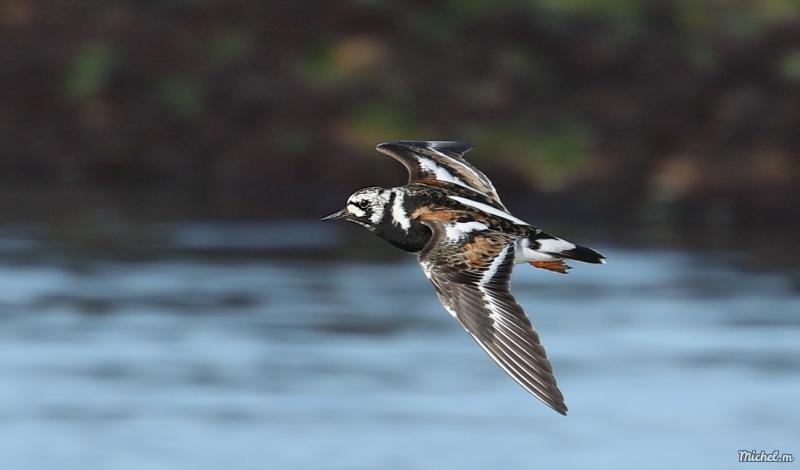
(470, 267)
(439, 162)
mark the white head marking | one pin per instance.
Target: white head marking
(368, 202)
(399, 215)
(351, 208)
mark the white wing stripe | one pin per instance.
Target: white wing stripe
(490, 273)
(467, 169)
(503, 330)
(455, 232)
(440, 173)
(487, 208)
(495, 311)
(502, 324)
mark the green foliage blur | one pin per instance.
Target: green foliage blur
(617, 111)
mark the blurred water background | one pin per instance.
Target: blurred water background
(168, 299)
(225, 360)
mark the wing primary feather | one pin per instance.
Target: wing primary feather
(450, 147)
(441, 163)
(553, 400)
(480, 297)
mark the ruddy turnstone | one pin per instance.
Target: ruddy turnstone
(450, 214)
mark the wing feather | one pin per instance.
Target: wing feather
(477, 292)
(441, 163)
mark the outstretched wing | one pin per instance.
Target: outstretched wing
(470, 267)
(442, 162)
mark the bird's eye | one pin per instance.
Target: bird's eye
(363, 203)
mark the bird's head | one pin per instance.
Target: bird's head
(364, 207)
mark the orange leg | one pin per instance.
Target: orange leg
(555, 265)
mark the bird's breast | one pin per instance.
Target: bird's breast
(411, 239)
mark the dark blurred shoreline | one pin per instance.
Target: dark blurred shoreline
(147, 225)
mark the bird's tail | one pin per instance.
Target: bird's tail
(585, 254)
(548, 252)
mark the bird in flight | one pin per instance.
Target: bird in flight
(451, 216)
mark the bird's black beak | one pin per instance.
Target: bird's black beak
(338, 215)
